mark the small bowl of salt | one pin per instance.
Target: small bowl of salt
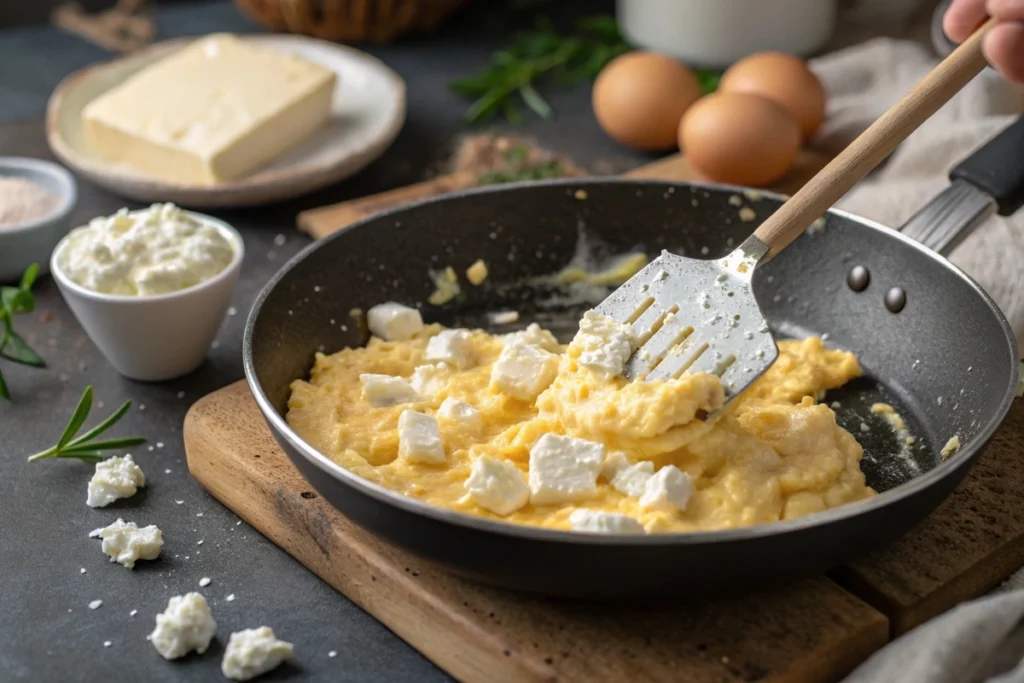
(36, 198)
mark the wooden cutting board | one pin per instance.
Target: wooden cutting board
(813, 631)
(325, 220)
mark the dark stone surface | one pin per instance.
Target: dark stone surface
(47, 631)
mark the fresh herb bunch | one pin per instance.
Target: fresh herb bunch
(518, 167)
(17, 301)
(86, 447)
(536, 56)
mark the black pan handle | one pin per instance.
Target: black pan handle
(989, 180)
(997, 168)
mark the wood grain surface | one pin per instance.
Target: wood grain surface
(810, 632)
(323, 221)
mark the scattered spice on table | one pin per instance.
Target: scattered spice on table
(23, 200)
(502, 158)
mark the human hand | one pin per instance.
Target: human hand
(1004, 44)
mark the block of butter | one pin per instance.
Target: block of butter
(214, 111)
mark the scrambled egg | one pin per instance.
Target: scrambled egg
(774, 453)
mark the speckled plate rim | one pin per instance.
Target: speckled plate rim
(262, 187)
(963, 458)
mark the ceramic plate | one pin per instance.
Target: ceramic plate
(366, 115)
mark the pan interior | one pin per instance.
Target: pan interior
(940, 363)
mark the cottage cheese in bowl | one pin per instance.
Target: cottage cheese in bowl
(150, 287)
(152, 251)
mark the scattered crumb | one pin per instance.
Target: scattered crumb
(951, 447)
(704, 250)
(736, 200)
(199, 542)
(107, 643)
(580, 194)
(747, 214)
(910, 440)
(938, 401)
(133, 612)
(159, 444)
(181, 394)
(232, 310)
(238, 522)
(142, 406)
(167, 471)
(95, 604)
(446, 284)
(504, 317)
(82, 570)
(864, 427)
(752, 195)
(818, 225)
(230, 598)
(836, 405)
(477, 273)
(205, 581)
(180, 502)
(279, 240)
(332, 653)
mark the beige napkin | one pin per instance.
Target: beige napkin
(862, 82)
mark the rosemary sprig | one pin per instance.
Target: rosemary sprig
(85, 447)
(542, 55)
(16, 301)
(534, 57)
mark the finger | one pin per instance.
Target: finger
(1004, 49)
(962, 17)
(1006, 10)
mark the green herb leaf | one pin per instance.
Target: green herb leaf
(534, 101)
(85, 447)
(18, 351)
(5, 393)
(77, 418)
(28, 278)
(534, 58)
(108, 445)
(708, 81)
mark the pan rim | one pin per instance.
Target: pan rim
(962, 458)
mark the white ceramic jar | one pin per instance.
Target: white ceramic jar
(716, 33)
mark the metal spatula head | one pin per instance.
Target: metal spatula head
(692, 315)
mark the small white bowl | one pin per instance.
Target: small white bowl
(160, 337)
(32, 241)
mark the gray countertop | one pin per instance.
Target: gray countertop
(47, 631)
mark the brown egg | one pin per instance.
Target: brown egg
(784, 79)
(739, 139)
(639, 98)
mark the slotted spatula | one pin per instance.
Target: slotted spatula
(691, 315)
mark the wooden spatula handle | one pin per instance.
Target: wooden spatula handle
(874, 144)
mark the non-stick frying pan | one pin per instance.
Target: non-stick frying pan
(946, 359)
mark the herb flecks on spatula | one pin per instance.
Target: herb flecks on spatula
(17, 301)
(86, 447)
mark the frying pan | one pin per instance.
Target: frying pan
(947, 360)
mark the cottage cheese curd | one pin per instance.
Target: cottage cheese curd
(117, 477)
(253, 652)
(152, 251)
(187, 624)
(126, 543)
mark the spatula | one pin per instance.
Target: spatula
(692, 315)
